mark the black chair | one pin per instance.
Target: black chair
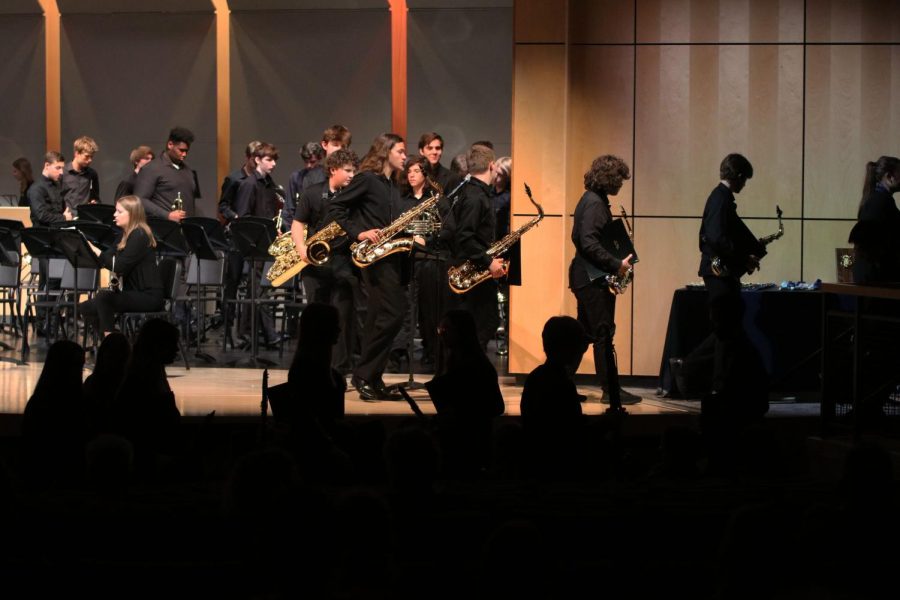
(205, 270)
(40, 242)
(96, 213)
(11, 284)
(253, 236)
(130, 322)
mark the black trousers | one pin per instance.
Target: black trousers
(102, 308)
(597, 314)
(431, 276)
(387, 307)
(334, 283)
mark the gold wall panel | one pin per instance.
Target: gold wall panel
(601, 22)
(541, 294)
(539, 21)
(853, 116)
(698, 103)
(831, 21)
(723, 21)
(820, 238)
(599, 76)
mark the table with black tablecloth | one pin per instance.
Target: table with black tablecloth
(784, 326)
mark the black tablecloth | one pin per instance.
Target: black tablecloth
(784, 326)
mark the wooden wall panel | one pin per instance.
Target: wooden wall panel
(540, 21)
(699, 103)
(601, 22)
(722, 21)
(853, 116)
(840, 21)
(820, 238)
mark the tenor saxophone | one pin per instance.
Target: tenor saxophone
(366, 253)
(467, 275)
(287, 260)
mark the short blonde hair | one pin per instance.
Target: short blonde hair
(85, 145)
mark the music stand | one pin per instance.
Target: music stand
(96, 213)
(99, 234)
(41, 245)
(214, 231)
(169, 239)
(79, 254)
(253, 236)
(10, 243)
(201, 247)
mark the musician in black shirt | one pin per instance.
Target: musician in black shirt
(371, 202)
(140, 156)
(167, 177)
(334, 138)
(47, 206)
(470, 232)
(877, 231)
(134, 261)
(431, 146)
(334, 282)
(80, 183)
(596, 303)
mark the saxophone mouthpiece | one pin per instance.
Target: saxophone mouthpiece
(528, 190)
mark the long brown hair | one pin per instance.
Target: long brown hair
(378, 154)
(137, 219)
(875, 172)
(607, 173)
(23, 166)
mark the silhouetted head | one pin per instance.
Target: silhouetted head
(157, 343)
(63, 368)
(458, 332)
(113, 354)
(319, 325)
(565, 341)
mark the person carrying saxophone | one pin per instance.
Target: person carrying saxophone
(592, 262)
(334, 281)
(469, 231)
(371, 202)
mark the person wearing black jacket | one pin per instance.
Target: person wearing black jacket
(44, 198)
(334, 138)
(877, 230)
(371, 202)
(596, 304)
(134, 261)
(470, 231)
(334, 282)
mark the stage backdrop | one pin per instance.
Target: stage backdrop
(672, 86)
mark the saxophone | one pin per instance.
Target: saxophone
(618, 284)
(287, 260)
(366, 253)
(466, 276)
(720, 269)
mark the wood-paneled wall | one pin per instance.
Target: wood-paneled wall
(808, 91)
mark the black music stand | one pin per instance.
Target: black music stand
(76, 249)
(41, 245)
(99, 234)
(253, 236)
(169, 239)
(201, 247)
(214, 231)
(96, 213)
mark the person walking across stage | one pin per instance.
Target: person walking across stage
(876, 235)
(331, 283)
(80, 184)
(371, 202)
(167, 178)
(139, 157)
(134, 261)
(596, 303)
(469, 231)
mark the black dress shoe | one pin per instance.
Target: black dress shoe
(367, 391)
(388, 392)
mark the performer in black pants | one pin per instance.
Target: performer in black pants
(332, 283)
(596, 304)
(371, 202)
(470, 231)
(134, 262)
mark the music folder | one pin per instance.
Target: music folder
(616, 241)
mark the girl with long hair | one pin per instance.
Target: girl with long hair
(874, 236)
(133, 261)
(21, 169)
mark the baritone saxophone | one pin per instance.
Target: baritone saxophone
(287, 260)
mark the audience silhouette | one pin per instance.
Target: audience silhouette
(102, 385)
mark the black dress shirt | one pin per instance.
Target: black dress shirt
(230, 186)
(126, 186)
(313, 207)
(47, 205)
(470, 228)
(592, 216)
(159, 182)
(257, 195)
(79, 187)
(370, 201)
(135, 263)
(724, 234)
(442, 176)
(297, 184)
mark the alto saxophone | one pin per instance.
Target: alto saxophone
(466, 276)
(287, 260)
(618, 284)
(366, 253)
(718, 266)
